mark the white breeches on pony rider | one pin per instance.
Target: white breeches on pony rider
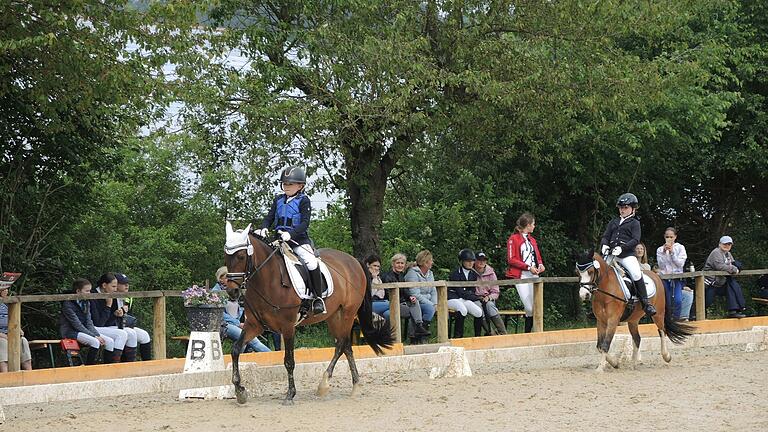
(632, 266)
(525, 291)
(86, 339)
(464, 306)
(307, 254)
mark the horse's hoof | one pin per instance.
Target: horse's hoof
(323, 388)
(667, 357)
(287, 402)
(242, 396)
(355, 390)
(612, 361)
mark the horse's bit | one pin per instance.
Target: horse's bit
(593, 285)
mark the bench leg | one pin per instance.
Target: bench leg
(53, 359)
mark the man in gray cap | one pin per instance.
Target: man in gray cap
(721, 259)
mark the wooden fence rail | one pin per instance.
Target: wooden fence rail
(159, 305)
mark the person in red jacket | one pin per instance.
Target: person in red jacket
(524, 261)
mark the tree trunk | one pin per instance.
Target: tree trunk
(367, 174)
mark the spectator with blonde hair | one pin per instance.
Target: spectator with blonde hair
(426, 296)
(410, 307)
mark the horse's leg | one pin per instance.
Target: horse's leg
(601, 326)
(290, 364)
(341, 337)
(352, 367)
(658, 319)
(610, 330)
(249, 332)
(324, 386)
(634, 330)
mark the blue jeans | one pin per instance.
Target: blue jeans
(674, 293)
(685, 310)
(233, 332)
(381, 307)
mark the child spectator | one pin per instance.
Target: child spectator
(104, 318)
(488, 294)
(462, 299)
(75, 323)
(671, 257)
(26, 354)
(129, 321)
(524, 261)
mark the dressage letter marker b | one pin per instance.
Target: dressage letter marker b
(204, 354)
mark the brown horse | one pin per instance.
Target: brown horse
(271, 303)
(600, 282)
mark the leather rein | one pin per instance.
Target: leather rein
(594, 284)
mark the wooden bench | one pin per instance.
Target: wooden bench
(754, 299)
(43, 344)
(515, 315)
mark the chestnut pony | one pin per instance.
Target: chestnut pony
(599, 281)
(272, 303)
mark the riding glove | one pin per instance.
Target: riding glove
(284, 236)
(616, 251)
(605, 250)
(262, 232)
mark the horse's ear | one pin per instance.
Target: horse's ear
(248, 228)
(229, 229)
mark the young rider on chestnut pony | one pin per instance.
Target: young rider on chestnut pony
(620, 238)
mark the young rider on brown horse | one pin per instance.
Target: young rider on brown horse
(620, 238)
(290, 215)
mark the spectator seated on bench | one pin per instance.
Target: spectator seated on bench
(76, 323)
(26, 354)
(488, 296)
(721, 259)
(231, 327)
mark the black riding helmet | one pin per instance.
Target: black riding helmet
(293, 174)
(627, 199)
(466, 255)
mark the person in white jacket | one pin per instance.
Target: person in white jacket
(670, 257)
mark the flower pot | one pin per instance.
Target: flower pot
(204, 318)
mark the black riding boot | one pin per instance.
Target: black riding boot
(318, 305)
(129, 354)
(458, 326)
(90, 357)
(499, 324)
(528, 324)
(642, 295)
(479, 327)
(145, 350)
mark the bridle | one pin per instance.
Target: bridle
(241, 278)
(594, 283)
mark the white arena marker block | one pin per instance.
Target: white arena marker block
(205, 354)
(458, 367)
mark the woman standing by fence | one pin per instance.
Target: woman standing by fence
(524, 261)
(670, 258)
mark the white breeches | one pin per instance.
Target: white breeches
(525, 291)
(465, 307)
(306, 253)
(85, 339)
(633, 267)
(120, 336)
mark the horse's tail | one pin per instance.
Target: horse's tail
(676, 330)
(377, 336)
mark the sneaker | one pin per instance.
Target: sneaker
(736, 314)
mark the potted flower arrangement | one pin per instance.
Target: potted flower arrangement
(204, 308)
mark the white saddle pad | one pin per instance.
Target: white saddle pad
(298, 282)
(650, 287)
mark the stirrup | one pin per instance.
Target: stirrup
(649, 309)
(318, 306)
